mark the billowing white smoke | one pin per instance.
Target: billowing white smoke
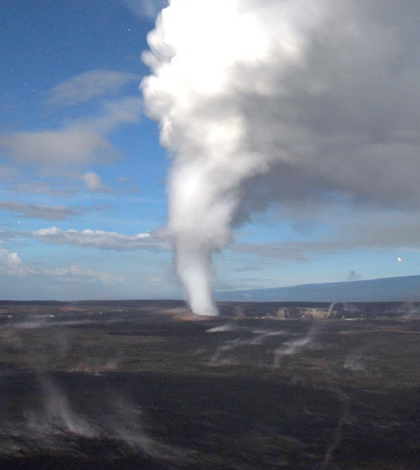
(275, 99)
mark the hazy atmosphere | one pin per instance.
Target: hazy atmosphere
(279, 139)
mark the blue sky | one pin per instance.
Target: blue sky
(83, 177)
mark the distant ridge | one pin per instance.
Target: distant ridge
(392, 289)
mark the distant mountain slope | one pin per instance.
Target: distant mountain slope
(391, 289)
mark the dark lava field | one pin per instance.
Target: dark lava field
(146, 385)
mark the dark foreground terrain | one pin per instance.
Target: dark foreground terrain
(144, 385)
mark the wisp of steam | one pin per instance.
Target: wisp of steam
(294, 100)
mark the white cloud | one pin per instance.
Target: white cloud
(39, 211)
(93, 183)
(99, 239)
(80, 142)
(10, 260)
(73, 144)
(90, 85)
(12, 266)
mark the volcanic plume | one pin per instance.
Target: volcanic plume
(279, 100)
